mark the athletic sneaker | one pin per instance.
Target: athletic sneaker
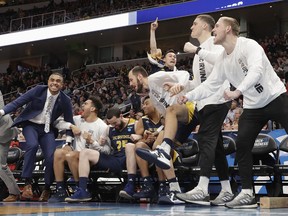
(195, 196)
(222, 198)
(170, 199)
(163, 190)
(59, 196)
(80, 195)
(242, 201)
(158, 156)
(128, 191)
(146, 191)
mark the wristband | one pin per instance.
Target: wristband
(197, 50)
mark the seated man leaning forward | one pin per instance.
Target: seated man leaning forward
(89, 131)
(119, 133)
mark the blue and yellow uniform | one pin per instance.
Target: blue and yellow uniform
(116, 161)
(120, 138)
(150, 125)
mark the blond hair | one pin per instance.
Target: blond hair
(235, 27)
(207, 19)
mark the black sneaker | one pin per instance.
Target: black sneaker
(163, 190)
(80, 195)
(242, 200)
(145, 192)
(59, 196)
(158, 156)
(128, 191)
(170, 199)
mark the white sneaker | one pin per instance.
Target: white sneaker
(222, 198)
(242, 200)
(195, 196)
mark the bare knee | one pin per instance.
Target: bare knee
(129, 148)
(72, 156)
(59, 154)
(141, 145)
(89, 154)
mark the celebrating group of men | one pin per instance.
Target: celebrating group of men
(225, 66)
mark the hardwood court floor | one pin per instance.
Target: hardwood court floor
(124, 209)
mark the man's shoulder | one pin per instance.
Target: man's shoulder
(39, 88)
(64, 96)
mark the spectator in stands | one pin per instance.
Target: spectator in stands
(120, 105)
(6, 135)
(238, 112)
(185, 116)
(231, 113)
(279, 71)
(139, 115)
(89, 132)
(246, 67)
(212, 112)
(123, 156)
(135, 100)
(126, 102)
(44, 105)
(132, 114)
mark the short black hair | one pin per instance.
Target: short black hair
(57, 73)
(114, 111)
(145, 98)
(96, 102)
(170, 51)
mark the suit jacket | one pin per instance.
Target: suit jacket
(35, 100)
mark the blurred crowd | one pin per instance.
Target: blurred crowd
(74, 11)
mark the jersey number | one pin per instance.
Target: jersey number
(121, 144)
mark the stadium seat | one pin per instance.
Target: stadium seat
(281, 166)
(264, 158)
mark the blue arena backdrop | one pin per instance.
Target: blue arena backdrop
(194, 8)
(126, 19)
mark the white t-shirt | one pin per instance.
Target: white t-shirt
(203, 68)
(161, 98)
(248, 69)
(97, 128)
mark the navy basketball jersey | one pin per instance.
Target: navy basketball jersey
(150, 125)
(120, 138)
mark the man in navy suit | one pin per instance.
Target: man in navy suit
(44, 104)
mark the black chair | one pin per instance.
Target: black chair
(188, 153)
(15, 161)
(281, 167)
(264, 158)
(229, 148)
(39, 171)
(14, 155)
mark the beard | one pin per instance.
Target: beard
(140, 90)
(140, 87)
(121, 126)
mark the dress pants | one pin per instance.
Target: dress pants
(251, 123)
(34, 135)
(5, 173)
(210, 140)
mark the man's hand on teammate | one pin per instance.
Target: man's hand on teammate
(173, 88)
(231, 95)
(182, 99)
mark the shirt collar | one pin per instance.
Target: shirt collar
(54, 96)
